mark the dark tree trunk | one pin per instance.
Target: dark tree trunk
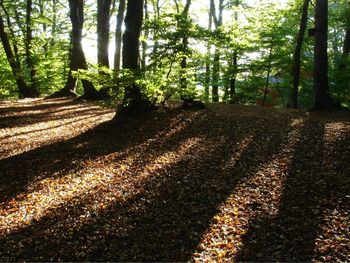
(118, 35)
(233, 77)
(216, 72)
(131, 42)
(77, 56)
(103, 17)
(23, 90)
(232, 82)
(297, 54)
(342, 76)
(268, 76)
(28, 45)
(346, 46)
(134, 100)
(322, 100)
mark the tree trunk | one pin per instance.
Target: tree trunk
(346, 45)
(233, 77)
(144, 42)
(232, 82)
(155, 33)
(184, 47)
(23, 90)
(77, 56)
(268, 76)
(103, 17)
(322, 100)
(216, 66)
(28, 45)
(134, 100)
(207, 63)
(216, 72)
(297, 54)
(118, 35)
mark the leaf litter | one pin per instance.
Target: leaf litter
(227, 183)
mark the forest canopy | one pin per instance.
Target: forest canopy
(240, 51)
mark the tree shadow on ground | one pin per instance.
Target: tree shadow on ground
(65, 157)
(317, 181)
(166, 217)
(65, 110)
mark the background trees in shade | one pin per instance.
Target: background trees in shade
(220, 50)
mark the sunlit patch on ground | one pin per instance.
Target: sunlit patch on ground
(223, 184)
(29, 124)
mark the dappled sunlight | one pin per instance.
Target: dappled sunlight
(254, 196)
(53, 124)
(112, 183)
(173, 185)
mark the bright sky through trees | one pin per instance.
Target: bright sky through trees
(198, 12)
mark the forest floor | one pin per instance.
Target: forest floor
(223, 183)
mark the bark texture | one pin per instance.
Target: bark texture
(134, 101)
(322, 100)
(77, 56)
(103, 17)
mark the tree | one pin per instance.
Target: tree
(103, 17)
(77, 56)
(346, 44)
(182, 26)
(23, 90)
(118, 35)
(28, 44)
(234, 62)
(207, 62)
(216, 62)
(322, 98)
(297, 53)
(134, 100)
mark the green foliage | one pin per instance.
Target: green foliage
(262, 38)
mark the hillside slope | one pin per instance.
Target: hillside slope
(223, 183)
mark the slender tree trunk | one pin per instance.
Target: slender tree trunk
(346, 45)
(77, 56)
(146, 35)
(103, 17)
(28, 45)
(216, 66)
(268, 76)
(208, 60)
(41, 4)
(232, 82)
(23, 90)
(12, 33)
(233, 76)
(183, 63)
(54, 23)
(322, 100)
(297, 54)
(216, 73)
(118, 35)
(155, 34)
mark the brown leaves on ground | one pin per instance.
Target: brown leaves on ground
(221, 184)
